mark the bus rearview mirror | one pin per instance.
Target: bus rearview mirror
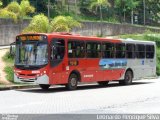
(12, 49)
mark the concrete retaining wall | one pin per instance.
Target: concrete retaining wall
(8, 29)
(110, 29)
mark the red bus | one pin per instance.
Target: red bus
(66, 59)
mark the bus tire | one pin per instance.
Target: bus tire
(127, 78)
(44, 87)
(103, 83)
(72, 82)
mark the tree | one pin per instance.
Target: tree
(63, 24)
(127, 5)
(84, 6)
(25, 8)
(1, 3)
(39, 23)
(132, 4)
(47, 7)
(95, 4)
(10, 11)
(153, 10)
(5, 2)
(17, 11)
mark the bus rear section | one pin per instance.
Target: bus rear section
(50, 59)
(141, 57)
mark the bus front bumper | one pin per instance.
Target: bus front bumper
(44, 79)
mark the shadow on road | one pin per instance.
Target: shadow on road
(81, 87)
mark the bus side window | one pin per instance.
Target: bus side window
(120, 50)
(130, 50)
(140, 51)
(107, 50)
(57, 51)
(93, 49)
(76, 49)
(150, 51)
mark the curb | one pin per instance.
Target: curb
(4, 47)
(13, 87)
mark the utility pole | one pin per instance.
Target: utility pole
(144, 12)
(68, 5)
(76, 7)
(101, 20)
(48, 9)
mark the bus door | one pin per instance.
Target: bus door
(57, 60)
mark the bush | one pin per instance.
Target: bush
(9, 60)
(39, 23)
(17, 11)
(10, 73)
(64, 24)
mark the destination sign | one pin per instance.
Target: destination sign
(30, 37)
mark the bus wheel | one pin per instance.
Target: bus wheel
(44, 87)
(103, 83)
(72, 82)
(127, 79)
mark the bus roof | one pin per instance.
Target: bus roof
(76, 36)
(137, 41)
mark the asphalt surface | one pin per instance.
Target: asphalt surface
(141, 97)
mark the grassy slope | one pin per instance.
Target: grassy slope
(9, 60)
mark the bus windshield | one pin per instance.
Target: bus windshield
(31, 53)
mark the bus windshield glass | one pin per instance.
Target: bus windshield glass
(31, 53)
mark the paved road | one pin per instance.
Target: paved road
(141, 97)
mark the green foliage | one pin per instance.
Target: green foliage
(39, 23)
(119, 10)
(153, 7)
(9, 60)
(5, 2)
(127, 8)
(63, 24)
(98, 3)
(10, 73)
(17, 11)
(127, 4)
(14, 7)
(26, 8)
(84, 7)
(4, 13)
(112, 20)
(95, 9)
(1, 3)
